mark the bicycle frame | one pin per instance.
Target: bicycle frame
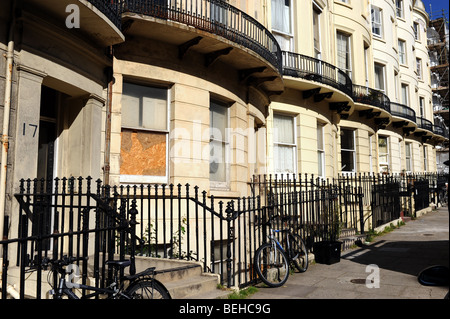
(277, 244)
(63, 288)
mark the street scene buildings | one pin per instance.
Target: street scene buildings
(219, 97)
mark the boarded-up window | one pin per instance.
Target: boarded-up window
(143, 153)
(144, 133)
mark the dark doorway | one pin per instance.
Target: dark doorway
(47, 133)
(42, 211)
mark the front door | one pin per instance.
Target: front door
(42, 217)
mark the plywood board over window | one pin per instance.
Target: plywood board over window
(144, 135)
(143, 153)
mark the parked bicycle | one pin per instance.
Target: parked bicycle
(142, 285)
(272, 261)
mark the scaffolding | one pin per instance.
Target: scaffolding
(438, 48)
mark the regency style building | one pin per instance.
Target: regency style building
(361, 83)
(152, 93)
(210, 92)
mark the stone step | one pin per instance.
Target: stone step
(192, 286)
(347, 232)
(183, 279)
(349, 238)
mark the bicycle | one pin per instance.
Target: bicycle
(272, 262)
(141, 285)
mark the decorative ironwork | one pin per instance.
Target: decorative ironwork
(424, 124)
(112, 9)
(302, 66)
(366, 95)
(403, 111)
(216, 17)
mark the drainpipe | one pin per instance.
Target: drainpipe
(107, 160)
(6, 111)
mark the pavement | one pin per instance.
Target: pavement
(387, 268)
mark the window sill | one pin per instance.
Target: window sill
(379, 38)
(142, 179)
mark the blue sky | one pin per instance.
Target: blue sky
(436, 5)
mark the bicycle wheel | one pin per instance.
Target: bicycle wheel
(271, 265)
(299, 253)
(147, 289)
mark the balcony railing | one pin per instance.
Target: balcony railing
(366, 95)
(298, 65)
(424, 124)
(111, 9)
(439, 130)
(216, 17)
(403, 111)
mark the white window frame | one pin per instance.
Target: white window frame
(419, 68)
(422, 106)
(348, 54)
(385, 163)
(292, 145)
(285, 39)
(317, 11)
(226, 141)
(139, 179)
(399, 9)
(377, 21)
(353, 151)
(402, 55)
(321, 150)
(408, 157)
(416, 27)
(404, 88)
(382, 68)
(425, 158)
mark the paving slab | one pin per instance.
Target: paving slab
(387, 268)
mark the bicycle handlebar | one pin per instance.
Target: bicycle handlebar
(64, 261)
(271, 218)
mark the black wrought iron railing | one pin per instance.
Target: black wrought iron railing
(217, 17)
(85, 218)
(309, 68)
(424, 124)
(112, 9)
(366, 95)
(403, 111)
(439, 130)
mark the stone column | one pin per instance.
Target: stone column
(26, 136)
(91, 137)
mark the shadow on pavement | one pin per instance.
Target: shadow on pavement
(408, 257)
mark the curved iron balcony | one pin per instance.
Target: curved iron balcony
(216, 17)
(403, 111)
(424, 124)
(366, 95)
(111, 9)
(439, 130)
(312, 69)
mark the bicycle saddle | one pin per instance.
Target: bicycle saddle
(119, 263)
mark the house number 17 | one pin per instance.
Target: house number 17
(33, 128)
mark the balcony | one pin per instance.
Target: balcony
(441, 132)
(314, 70)
(111, 9)
(403, 116)
(212, 28)
(99, 20)
(379, 102)
(424, 124)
